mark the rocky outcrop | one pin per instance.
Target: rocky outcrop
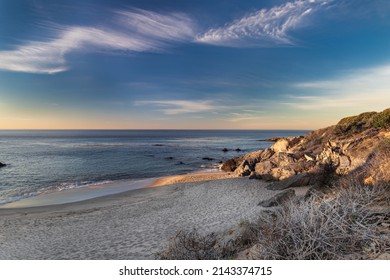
(359, 146)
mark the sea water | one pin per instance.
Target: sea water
(42, 161)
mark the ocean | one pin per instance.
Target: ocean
(44, 161)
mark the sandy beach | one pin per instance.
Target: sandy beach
(131, 225)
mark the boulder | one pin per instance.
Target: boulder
(299, 180)
(243, 169)
(266, 154)
(225, 150)
(253, 158)
(264, 167)
(280, 146)
(284, 144)
(283, 159)
(278, 199)
(2, 164)
(230, 165)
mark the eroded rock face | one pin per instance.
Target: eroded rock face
(243, 169)
(320, 151)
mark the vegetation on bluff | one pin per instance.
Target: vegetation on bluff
(368, 120)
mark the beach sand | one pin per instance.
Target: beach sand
(191, 177)
(131, 225)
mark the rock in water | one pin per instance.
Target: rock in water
(208, 158)
(2, 164)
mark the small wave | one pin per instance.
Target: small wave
(102, 145)
(77, 185)
(212, 166)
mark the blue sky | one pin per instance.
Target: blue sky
(232, 64)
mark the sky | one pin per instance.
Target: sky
(199, 64)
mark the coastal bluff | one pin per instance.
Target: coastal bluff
(357, 146)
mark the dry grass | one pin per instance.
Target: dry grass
(190, 245)
(345, 226)
(351, 223)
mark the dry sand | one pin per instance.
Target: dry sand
(131, 225)
(190, 178)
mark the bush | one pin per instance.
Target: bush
(190, 245)
(343, 227)
(350, 223)
(382, 120)
(355, 124)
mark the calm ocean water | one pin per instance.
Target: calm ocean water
(42, 161)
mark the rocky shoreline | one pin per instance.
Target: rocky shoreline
(345, 213)
(357, 146)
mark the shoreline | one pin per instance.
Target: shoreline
(112, 188)
(131, 225)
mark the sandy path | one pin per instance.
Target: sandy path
(132, 225)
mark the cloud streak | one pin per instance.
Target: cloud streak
(135, 31)
(266, 27)
(175, 107)
(354, 89)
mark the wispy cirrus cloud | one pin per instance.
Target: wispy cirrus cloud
(173, 27)
(266, 27)
(133, 31)
(175, 107)
(137, 30)
(243, 116)
(353, 89)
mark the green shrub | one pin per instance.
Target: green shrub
(355, 124)
(381, 120)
